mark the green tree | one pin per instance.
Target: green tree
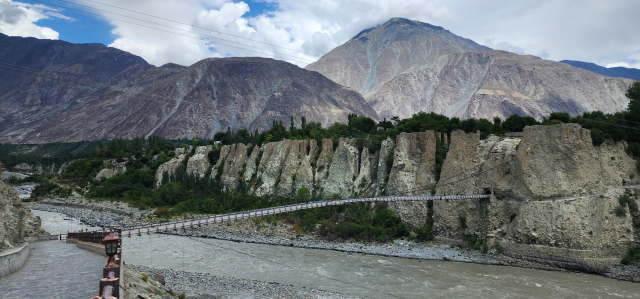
(633, 93)
(561, 116)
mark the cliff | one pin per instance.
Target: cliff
(16, 221)
(554, 193)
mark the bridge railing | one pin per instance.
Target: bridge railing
(90, 237)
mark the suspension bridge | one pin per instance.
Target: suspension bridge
(188, 223)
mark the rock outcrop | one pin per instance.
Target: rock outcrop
(343, 170)
(554, 194)
(16, 221)
(553, 191)
(111, 168)
(198, 164)
(234, 164)
(270, 168)
(322, 165)
(171, 167)
(413, 172)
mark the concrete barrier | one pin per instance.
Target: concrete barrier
(13, 259)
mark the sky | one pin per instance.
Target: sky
(186, 31)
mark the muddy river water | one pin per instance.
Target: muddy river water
(356, 274)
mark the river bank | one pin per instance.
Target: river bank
(277, 232)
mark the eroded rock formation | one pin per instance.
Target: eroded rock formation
(553, 191)
(16, 221)
(112, 168)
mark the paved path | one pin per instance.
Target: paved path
(55, 270)
(128, 231)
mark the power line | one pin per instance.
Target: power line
(177, 22)
(296, 59)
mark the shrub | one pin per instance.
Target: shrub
(144, 276)
(463, 222)
(632, 257)
(597, 137)
(498, 247)
(620, 211)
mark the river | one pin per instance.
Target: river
(357, 274)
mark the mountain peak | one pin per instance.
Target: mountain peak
(399, 23)
(394, 47)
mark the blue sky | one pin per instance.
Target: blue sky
(87, 28)
(298, 31)
(83, 29)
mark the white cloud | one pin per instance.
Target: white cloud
(18, 19)
(551, 29)
(296, 31)
(624, 64)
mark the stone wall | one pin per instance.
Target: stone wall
(13, 259)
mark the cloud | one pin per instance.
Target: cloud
(301, 31)
(505, 46)
(18, 19)
(295, 31)
(635, 65)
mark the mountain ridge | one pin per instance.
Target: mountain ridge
(107, 93)
(623, 72)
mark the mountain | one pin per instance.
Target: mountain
(378, 54)
(402, 67)
(629, 73)
(65, 92)
(498, 83)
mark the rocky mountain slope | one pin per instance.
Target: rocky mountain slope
(378, 54)
(624, 72)
(402, 67)
(83, 92)
(554, 192)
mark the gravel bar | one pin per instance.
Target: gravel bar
(207, 286)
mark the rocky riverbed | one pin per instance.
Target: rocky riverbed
(95, 213)
(207, 286)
